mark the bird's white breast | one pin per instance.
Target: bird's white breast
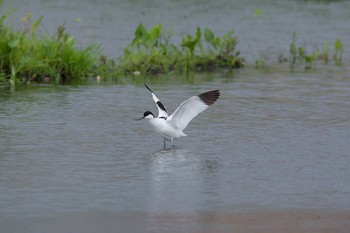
(162, 127)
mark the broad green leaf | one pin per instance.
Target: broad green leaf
(338, 45)
(199, 38)
(13, 43)
(209, 35)
(155, 32)
(189, 42)
(140, 33)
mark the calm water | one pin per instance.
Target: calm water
(276, 139)
(270, 142)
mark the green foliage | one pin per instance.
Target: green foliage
(150, 52)
(191, 42)
(26, 56)
(221, 52)
(338, 48)
(299, 54)
(210, 37)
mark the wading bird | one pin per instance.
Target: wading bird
(171, 127)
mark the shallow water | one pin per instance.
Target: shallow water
(269, 142)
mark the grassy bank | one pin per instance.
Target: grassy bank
(26, 56)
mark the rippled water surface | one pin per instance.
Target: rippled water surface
(269, 142)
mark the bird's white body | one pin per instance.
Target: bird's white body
(166, 130)
(171, 127)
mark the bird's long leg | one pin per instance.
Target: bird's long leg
(172, 142)
(164, 144)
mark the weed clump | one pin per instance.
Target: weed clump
(26, 56)
(151, 52)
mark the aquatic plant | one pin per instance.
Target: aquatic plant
(293, 49)
(301, 55)
(26, 55)
(325, 53)
(151, 52)
(222, 52)
(338, 54)
(309, 58)
(191, 42)
(260, 63)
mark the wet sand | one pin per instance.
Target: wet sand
(282, 221)
(269, 222)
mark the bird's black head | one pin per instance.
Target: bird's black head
(146, 114)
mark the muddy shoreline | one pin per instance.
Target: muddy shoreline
(204, 222)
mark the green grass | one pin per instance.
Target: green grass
(26, 56)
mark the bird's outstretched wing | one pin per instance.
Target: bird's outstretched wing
(190, 108)
(161, 109)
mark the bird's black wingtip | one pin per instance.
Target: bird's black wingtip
(148, 88)
(210, 97)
